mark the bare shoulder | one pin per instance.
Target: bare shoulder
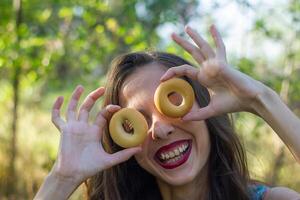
(281, 193)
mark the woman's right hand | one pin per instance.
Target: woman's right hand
(81, 154)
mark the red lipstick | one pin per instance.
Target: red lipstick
(174, 154)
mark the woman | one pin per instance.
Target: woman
(214, 166)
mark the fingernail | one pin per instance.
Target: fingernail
(111, 107)
(173, 35)
(80, 88)
(214, 29)
(115, 106)
(162, 78)
(100, 89)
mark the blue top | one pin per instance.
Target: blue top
(258, 191)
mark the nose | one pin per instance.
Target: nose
(161, 130)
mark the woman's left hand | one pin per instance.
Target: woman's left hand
(230, 90)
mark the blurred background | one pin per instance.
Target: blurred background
(48, 47)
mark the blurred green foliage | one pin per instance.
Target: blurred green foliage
(59, 44)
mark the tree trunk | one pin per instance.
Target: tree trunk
(11, 182)
(278, 161)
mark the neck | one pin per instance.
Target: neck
(196, 189)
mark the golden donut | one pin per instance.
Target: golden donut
(165, 106)
(128, 127)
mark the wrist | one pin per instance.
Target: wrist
(56, 186)
(64, 176)
(63, 180)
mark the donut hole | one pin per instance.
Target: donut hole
(128, 127)
(175, 98)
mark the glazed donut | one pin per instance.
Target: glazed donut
(163, 103)
(128, 127)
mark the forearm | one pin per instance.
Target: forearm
(283, 121)
(55, 187)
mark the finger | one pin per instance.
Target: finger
(221, 51)
(200, 114)
(204, 47)
(183, 70)
(56, 119)
(189, 47)
(123, 155)
(71, 112)
(104, 116)
(89, 102)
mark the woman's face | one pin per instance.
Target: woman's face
(174, 151)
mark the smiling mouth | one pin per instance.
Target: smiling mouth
(174, 154)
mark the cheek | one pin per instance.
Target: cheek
(142, 157)
(200, 134)
(202, 139)
(143, 161)
(139, 157)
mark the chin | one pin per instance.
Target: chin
(182, 175)
(179, 179)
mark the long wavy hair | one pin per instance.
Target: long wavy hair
(228, 173)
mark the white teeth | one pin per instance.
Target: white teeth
(174, 155)
(176, 152)
(174, 159)
(167, 156)
(180, 149)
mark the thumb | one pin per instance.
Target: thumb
(123, 155)
(200, 114)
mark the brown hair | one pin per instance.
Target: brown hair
(228, 174)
